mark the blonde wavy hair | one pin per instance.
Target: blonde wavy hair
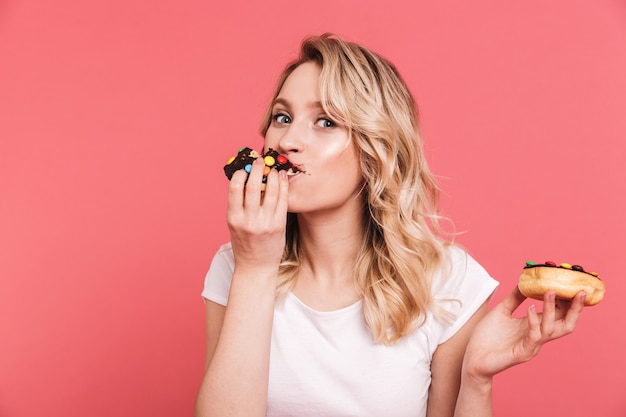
(402, 247)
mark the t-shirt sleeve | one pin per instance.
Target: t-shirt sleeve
(218, 278)
(466, 286)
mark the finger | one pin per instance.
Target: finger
(512, 301)
(534, 324)
(578, 304)
(271, 191)
(549, 313)
(252, 194)
(236, 188)
(533, 339)
(283, 195)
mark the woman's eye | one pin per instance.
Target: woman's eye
(325, 123)
(281, 118)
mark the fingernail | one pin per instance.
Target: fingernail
(583, 296)
(551, 296)
(532, 309)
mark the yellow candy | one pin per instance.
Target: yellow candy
(230, 160)
(564, 265)
(269, 160)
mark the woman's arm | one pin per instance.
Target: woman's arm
(214, 318)
(235, 382)
(446, 368)
(236, 376)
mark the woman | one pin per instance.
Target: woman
(337, 294)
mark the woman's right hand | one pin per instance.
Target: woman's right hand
(239, 334)
(257, 219)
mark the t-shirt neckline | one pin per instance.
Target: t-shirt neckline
(332, 313)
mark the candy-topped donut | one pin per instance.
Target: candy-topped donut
(564, 279)
(246, 156)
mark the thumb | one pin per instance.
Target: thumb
(511, 302)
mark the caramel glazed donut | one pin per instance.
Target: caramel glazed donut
(565, 280)
(246, 156)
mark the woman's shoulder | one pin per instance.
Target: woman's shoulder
(459, 268)
(460, 288)
(224, 259)
(218, 278)
(225, 249)
(460, 260)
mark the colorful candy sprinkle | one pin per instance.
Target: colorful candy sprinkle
(269, 160)
(531, 264)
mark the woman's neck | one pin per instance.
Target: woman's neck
(330, 243)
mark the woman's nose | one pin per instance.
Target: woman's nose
(292, 139)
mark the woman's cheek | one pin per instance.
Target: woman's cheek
(338, 145)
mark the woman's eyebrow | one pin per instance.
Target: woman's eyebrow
(279, 100)
(312, 105)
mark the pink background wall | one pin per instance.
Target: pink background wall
(117, 116)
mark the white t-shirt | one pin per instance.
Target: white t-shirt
(326, 363)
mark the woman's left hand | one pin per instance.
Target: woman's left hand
(501, 341)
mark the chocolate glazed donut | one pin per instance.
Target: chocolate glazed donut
(273, 160)
(564, 279)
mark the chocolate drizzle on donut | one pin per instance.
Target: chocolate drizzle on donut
(550, 264)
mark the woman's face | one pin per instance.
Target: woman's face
(300, 129)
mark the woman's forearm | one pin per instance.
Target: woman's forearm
(236, 380)
(474, 398)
